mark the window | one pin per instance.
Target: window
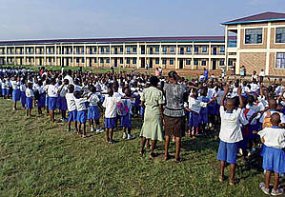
(172, 49)
(83, 60)
(164, 61)
(128, 60)
(222, 49)
(204, 62)
(157, 61)
(128, 50)
(196, 49)
(135, 50)
(188, 49)
(195, 62)
(101, 60)
(108, 60)
(121, 49)
(188, 62)
(280, 35)
(121, 60)
(280, 60)
(204, 49)
(222, 62)
(102, 50)
(135, 61)
(164, 50)
(171, 62)
(253, 36)
(77, 60)
(107, 50)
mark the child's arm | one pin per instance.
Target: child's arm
(226, 91)
(240, 97)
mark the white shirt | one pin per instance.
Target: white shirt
(253, 87)
(29, 92)
(93, 100)
(110, 103)
(252, 109)
(230, 131)
(81, 104)
(273, 137)
(52, 91)
(70, 100)
(77, 88)
(282, 117)
(195, 105)
(22, 87)
(15, 85)
(262, 74)
(63, 90)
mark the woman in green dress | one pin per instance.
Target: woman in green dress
(152, 100)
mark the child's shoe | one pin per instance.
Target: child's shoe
(277, 192)
(92, 129)
(130, 137)
(124, 136)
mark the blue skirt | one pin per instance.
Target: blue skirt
(110, 123)
(4, 92)
(93, 113)
(41, 101)
(204, 116)
(273, 160)
(23, 98)
(81, 116)
(228, 152)
(126, 121)
(52, 103)
(29, 103)
(16, 95)
(72, 116)
(63, 103)
(194, 119)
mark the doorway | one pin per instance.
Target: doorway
(181, 64)
(143, 63)
(214, 65)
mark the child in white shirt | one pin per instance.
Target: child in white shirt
(81, 107)
(273, 154)
(71, 107)
(29, 98)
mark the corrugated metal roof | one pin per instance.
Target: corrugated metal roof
(258, 18)
(120, 40)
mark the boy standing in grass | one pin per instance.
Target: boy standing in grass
(230, 134)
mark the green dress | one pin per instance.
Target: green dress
(152, 126)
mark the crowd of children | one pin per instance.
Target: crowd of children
(244, 111)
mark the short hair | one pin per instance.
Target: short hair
(153, 80)
(173, 75)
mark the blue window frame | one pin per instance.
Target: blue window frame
(253, 36)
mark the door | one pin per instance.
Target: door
(143, 63)
(150, 63)
(214, 65)
(181, 64)
(116, 61)
(116, 52)
(215, 51)
(143, 51)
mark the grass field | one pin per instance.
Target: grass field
(39, 158)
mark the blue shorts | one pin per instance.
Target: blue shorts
(72, 116)
(52, 103)
(228, 152)
(29, 103)
(16, 95)
(41, 101)
(81, 116)
(110, 123)
(273, 160)
(93, 113)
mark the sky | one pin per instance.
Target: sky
(47, 19)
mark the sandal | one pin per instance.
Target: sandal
(233, 182)
(263, 188)
(277, 192)
(221, 178)
(166, 157)
(178, 160)
(142, 153)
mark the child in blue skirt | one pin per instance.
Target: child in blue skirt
(29, 98)
(62, 100)
(126, 119)
(52, 93)
(81, 108)
(110, 105)
(16, 93)
(204, 119)
(94, 110)
(23, 93)
(71, 107)
(273, 154)
(230, 134)
(41, 97)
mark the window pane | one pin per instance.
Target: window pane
(253, 36)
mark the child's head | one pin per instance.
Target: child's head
(30, 85)
(230, 105)
(250, 99)
(65, 82)
(275, 119)
(92, 88)
(128, 92)
(272, 104)
(77, 94)
(110, 91)
(70, 88)
(194, 94)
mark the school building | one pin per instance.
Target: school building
(256, 42)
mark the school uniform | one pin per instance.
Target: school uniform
(126, 120)
(23, 94)
(42, 96)
(52, 97)
(93, 109)
(16, 93)
(273, 153)
(230, 135)
(195, 106)
(4, 88)
(62, 99)
(81, 110)
(204, 119)
(29, 98)
(110, 111)
(71, 106)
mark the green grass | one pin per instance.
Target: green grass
(39, 158)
